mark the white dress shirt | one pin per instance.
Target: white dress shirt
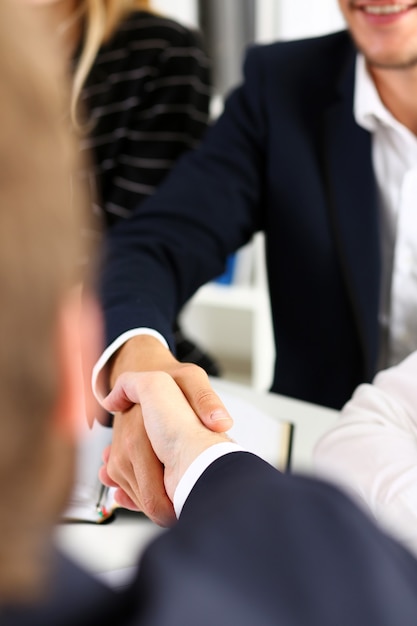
(99, 379)
(394, 155)
(372, 449)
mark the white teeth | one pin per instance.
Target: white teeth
(385, 9)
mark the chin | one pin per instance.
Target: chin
(390, 62)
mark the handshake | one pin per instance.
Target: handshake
(157, 435)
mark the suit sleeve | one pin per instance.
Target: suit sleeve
(254, 546)
(372, 449)
(178, 239)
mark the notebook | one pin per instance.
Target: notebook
(90, 501)
(259, 432)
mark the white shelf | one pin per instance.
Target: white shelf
(233, 322)
(242, 297)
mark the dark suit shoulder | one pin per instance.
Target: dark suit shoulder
(73, 598)
(314, 62)
(322, 48)
(254, 546)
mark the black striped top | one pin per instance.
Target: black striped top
(148, 98)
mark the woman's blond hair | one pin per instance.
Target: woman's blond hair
(101, 18)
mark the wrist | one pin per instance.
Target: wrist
(185, 452)
(140, 353)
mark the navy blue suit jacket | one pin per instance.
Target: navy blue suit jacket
(287, 158)
(252, 547)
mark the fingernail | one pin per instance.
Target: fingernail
(219, 415)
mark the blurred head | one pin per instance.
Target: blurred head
(41, 218)
(384, 30)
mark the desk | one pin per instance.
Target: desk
(310, 421)
(111, 550)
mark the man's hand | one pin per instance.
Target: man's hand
(131, 463)
(175, 433)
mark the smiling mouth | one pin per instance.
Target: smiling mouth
(384, 9)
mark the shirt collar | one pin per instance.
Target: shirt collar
(369, 111)
(368, 107)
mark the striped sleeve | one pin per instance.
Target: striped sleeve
(148, 99)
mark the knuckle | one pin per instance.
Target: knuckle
(204, 396)
(130, 443)
(193, 368)
(155, 379)
(113, 463)
(149, 505)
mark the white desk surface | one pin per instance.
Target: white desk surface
(111, 550)
(310, 421)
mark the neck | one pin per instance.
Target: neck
(24, 563)
(62, 20)
(398, 91)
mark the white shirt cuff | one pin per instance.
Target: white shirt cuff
(99, 378)
(197, 467)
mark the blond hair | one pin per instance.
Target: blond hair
(101, 18)
(40, 246)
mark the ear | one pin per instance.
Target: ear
(79, 341)
(91, 346)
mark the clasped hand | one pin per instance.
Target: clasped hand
(162, 422)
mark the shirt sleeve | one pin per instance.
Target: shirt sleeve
(99, 378)
(372, 449)
(196, 469)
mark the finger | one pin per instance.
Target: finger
(144, 487)
(196, 387)
(133, 465)
(105, 478)
(120, 496)
(152, 501)
(123, 395)
(117, 469)
(123, 500)
(105, 454)
(194, 384)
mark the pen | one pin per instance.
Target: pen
(101, 494)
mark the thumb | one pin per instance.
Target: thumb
(212, 412)
(123, 395)
(205, 403)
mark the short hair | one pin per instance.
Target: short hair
(42, 213)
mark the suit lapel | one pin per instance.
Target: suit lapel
(352, 197)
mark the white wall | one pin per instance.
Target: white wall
(306, 18)
(184, 11)
(284, 19)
